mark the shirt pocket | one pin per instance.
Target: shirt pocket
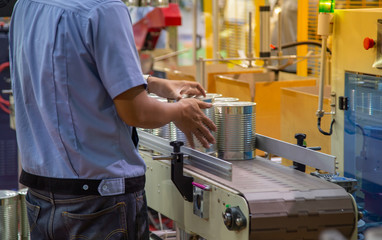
(108, 224)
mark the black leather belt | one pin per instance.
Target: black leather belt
(75, 186)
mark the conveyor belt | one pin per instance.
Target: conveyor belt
(287, 204)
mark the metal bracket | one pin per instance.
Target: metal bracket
(333, 103)
(343, 103)
(201, 202)
(182, 183)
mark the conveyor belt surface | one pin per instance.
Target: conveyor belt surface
(288, 204)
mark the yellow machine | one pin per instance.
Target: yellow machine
(356, 79)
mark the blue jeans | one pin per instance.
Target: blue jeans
(54, 216)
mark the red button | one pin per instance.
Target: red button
(368, 43)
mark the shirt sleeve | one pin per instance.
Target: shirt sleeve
(113, 47)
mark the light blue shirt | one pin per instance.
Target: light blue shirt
(69, 59)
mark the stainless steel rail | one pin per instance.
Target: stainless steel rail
(223, 168)
(195, 158)
(296, 153)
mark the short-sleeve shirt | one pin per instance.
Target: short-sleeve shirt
(69, 60)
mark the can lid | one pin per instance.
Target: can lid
(213, 95)
(226, 99)
(209, 96)
(5, 194)
(23, 191)
(234, 104)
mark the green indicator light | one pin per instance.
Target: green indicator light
(326, 6)
(228, 205)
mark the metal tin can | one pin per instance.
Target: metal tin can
(24, 224)
(8, 215)
(235, 122)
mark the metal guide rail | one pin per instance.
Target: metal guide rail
(297, 153)
(195, 158)
(223, 168)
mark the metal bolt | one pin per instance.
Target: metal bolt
(227, 219)
(239, 221)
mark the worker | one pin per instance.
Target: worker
(79, 94)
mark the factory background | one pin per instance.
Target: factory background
(297, 93)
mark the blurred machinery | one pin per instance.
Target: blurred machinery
(356, 75)
(147, 30)
(8, 144)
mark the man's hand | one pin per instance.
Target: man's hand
(173, 89)
(137, 109)
(192, 121)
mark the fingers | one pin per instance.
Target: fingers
(195, 123)
(210, 124)
(190, 140)
(178, 97)
(203, 105)
(201, 89)
(193, 88)
(201, 138)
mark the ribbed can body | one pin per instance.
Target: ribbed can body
(236, 122)
(8, 215)
(24, 224)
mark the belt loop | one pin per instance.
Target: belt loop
(110, 187)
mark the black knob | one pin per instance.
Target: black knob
(300, 138)
(176, 145)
